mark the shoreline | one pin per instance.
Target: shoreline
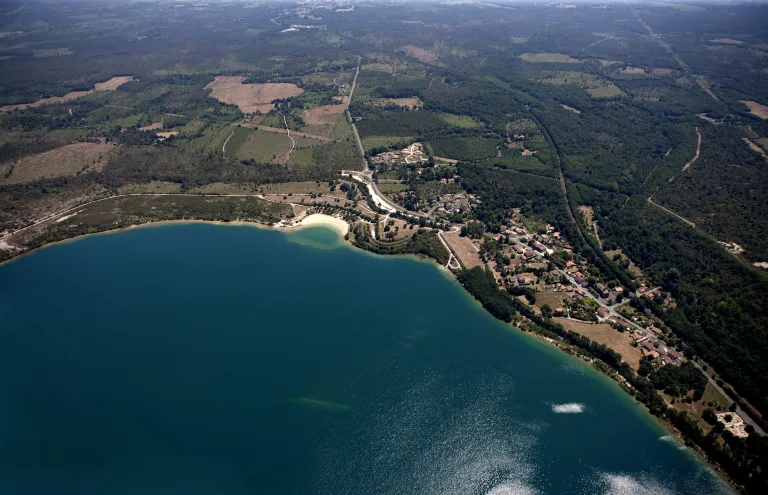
(341, 228)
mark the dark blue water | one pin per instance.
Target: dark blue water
(203, 359)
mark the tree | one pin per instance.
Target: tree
(546, 310)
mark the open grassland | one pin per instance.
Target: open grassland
(608, 91)
(462, 121)
(250, 97)
(603, 333)
(329, 77)
(372, 142)
(421, 54)
(342, 130)
(60, 162)
(409, 103)
(390, 188)
(756, 109)
(154, 187)
(463, 248)
(585, 79)
(109, 85)
(261, 146)
(550, 58)
(323, 120)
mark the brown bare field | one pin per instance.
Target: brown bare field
(763, 141)
(633, 71)
(602, 333)
(329, 77)
(463, 248)
(162, 136)
(110, 85)
(420, 53)
(756, 109)
(64, 161)
(400, 102)
(662, 72)
(324, 115)
(250, 97)
(554, 299)
(152, 126)
(727, 41)
(570, 108)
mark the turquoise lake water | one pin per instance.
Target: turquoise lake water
(203, 359)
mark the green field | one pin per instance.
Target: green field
(262, 146)
(609, 91)
(372, 142)
(463, 121)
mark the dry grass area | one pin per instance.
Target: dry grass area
(756, 109)
(226, 188)
(658, 71)
(727, 41)
(602, 333)
(152, 126)
(162, 136)
(408, 103)
(420, 53)
(463, 248)
(250, 97)
(329, 77)
(60, 162)
(550, 57)
(754, 147)
(296, 188)
(633, 269)
(570, 108)
(554, 299)
(154, 187)
(763, 141)
(110, 85)
(325, 115)
(633, 71)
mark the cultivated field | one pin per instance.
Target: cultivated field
(329, 77)
(152, 126)
(250, 97)
(110, 85)
(322, 120)
(756, 109)
(602, 333)
(64, 161)
(550, 57)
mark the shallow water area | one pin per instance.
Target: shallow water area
(232, 360)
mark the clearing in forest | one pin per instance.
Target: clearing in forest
(152, 126)
(420, 53)
(329, 77)
(110, 85)
(250, 97)
(603, 333)
(607, 91)
(756, 109)
(571, 109)
(60, 162)
(550, 57)
(409, 103)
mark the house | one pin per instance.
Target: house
(647, 346)
(637, 336)
(539, 246)
(559, 311)
(623, 324)
(602, 312)
(655, 330)
(569, 264)
(674, 355)
(600, 287)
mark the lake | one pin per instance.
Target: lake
(199, 359)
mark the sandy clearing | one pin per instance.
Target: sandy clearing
(110, 85)
(250, 97)
(550, 57)
(756, 109)
(633, 71)
(698, 152)
(754, 147)
(165, 135)
(570, 108)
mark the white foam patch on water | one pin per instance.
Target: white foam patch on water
(430, 439)
(623, 484)
(674, 441)
(569, 408)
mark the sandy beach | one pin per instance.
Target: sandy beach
(335, 223)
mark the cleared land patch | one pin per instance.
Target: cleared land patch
(64, 161)
(756, 109)
(608, 91)
(110, 85)
(329, 77)
(571, 109)
(550, 58)
(323, 119)
(250, 97)
(603, 333)
(420, 53)
(463, 249)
